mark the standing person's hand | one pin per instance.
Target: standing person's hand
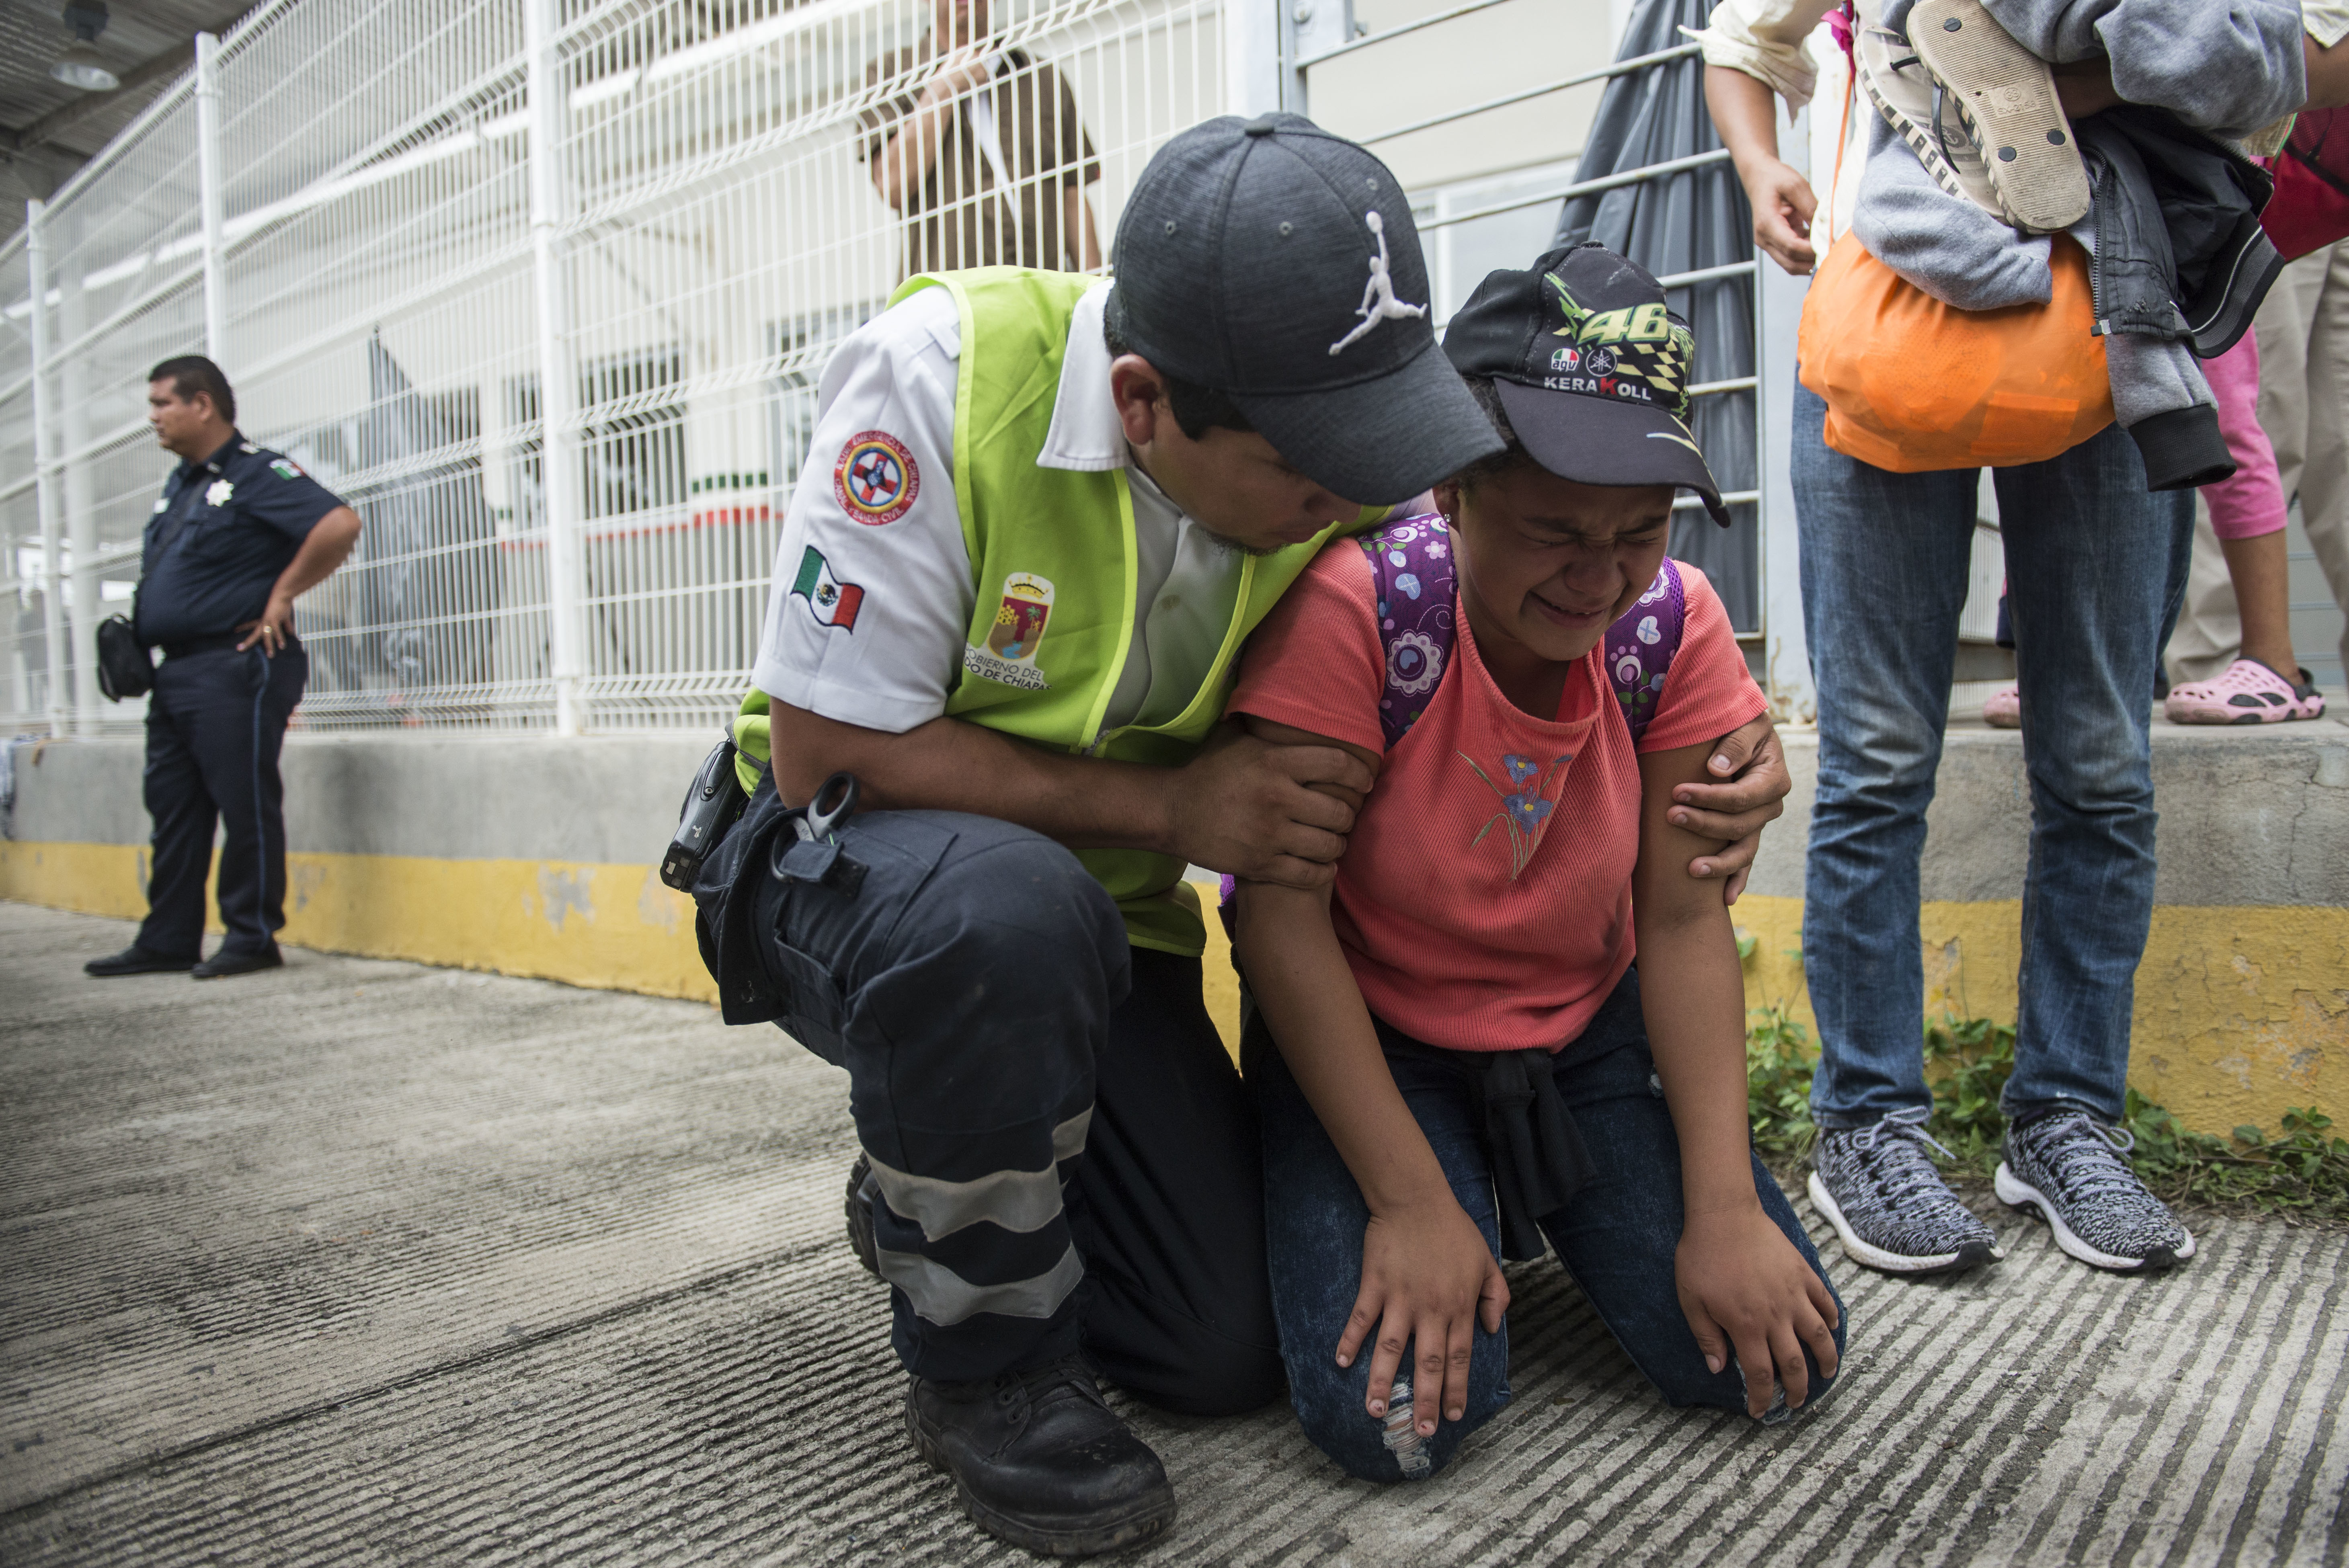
(1782, 203)
(1747, 1292)
(1267, 812)
(1745, 114)
(1427, 1277)
(273, 631)
(1751, 765)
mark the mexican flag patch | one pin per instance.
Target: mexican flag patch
(830, 601)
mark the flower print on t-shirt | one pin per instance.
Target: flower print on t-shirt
(1525, 808)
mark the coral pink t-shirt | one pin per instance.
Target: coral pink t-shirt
(1485, 897)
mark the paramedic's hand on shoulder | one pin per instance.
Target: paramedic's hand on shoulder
(1267, 812)
(1751, 764)
(1748, 1293)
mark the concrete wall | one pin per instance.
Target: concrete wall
(536, 856)
(527, 855)
(2242, 1000)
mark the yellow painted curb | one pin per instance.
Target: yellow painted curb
(2241, 1010)
(609, 926)
(613, 927)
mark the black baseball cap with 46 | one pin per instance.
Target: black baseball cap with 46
(1591, 369)
(1278, 265)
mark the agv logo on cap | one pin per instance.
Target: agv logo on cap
(1639, 353)
(876, 480)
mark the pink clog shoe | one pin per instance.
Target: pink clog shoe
(2249, 693)
(2002, 709)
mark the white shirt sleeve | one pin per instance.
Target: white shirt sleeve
(871, 596)
(1764, 38)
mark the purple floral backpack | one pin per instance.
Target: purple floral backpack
(1411, 569)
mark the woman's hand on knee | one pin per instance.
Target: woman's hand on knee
(1427, 1278)
(1746, 1291)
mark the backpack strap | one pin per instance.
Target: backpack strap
(1413, 583)
(1641, 643)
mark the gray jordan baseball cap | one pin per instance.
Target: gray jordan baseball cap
(1278, 265)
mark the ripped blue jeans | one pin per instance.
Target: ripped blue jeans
(1617, 1238)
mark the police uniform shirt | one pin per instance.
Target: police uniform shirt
(221, 536)
(865, 624)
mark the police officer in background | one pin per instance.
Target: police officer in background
(240, 533)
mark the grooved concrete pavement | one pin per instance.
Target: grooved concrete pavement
(364, 1262)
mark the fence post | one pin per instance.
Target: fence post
(558, 384)
(1308, 28)
(211, 198)
(1252, 76)
(1778, 314)
(44, 470)
(78, 488)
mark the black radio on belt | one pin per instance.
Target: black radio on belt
(710, 807)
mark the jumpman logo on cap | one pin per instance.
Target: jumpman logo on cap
(1378, 301)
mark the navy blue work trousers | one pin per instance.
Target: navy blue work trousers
(215, 725)
(1062, 1154)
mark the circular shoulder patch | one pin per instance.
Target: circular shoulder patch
(876, 480)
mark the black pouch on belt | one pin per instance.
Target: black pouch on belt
(125, 669)
(712, 802)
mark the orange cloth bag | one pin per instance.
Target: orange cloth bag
(1912, 385)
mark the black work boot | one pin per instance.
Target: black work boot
(1040, 1460)
(860, 1216)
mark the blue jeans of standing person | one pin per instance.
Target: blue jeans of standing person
(1617, 1237)
(2096, 568)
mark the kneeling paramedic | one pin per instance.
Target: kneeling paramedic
(1041, 515)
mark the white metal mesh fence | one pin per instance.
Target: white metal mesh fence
(409, 251)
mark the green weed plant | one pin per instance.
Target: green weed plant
(2303, 1169)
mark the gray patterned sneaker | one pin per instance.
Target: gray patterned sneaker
(1878, 1189)
(2068, 1169)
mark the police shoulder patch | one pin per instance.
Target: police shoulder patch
(875, 479)
(285, 468)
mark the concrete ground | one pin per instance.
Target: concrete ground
(364, 1262)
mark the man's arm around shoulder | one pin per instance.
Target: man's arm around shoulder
(1239, 806)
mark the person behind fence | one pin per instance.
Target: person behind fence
(1454, 1053)
(988, 160)
(1042, 514)
(2005, 195)
(238, 534)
